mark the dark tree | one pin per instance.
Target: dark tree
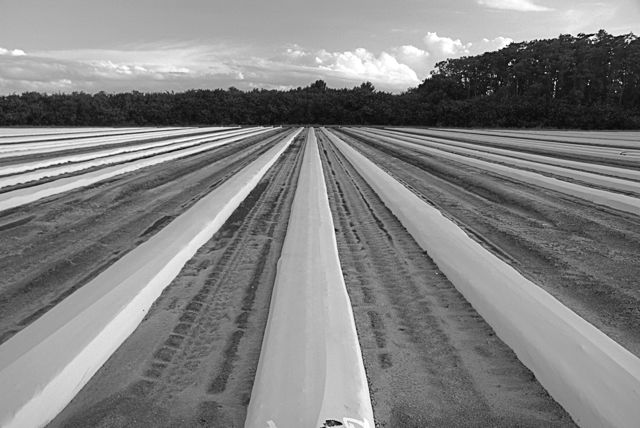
(584, 81)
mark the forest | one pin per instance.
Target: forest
(588, 81)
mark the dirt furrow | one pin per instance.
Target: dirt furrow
(29, 157)
(193, 359)
(52, 247)
(533, 148)
(430, 358)
(587, 256)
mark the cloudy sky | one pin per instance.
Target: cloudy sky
(165, 45)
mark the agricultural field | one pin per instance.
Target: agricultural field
(315, 277)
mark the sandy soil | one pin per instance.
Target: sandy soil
(79, 149)
(430, 358)
(465, 136)
(585, 255)
(193, 359)
(54, 246)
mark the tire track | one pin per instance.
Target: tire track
(430, 358)
(202, 338)
(585, 256)
(74, 236)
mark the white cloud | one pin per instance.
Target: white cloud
(439, 48)
(445, 46)
(494, 44)
(518, 5)
(145, 69)
(412, 51)
(348, 68)
(181, 58)
(180, 67)
(185, 66)
(416, 58)
(295, 51)
(14, 52)
(361, 65)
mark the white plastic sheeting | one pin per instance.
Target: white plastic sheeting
(536, 161)
(74, 143)
(564, 148)
(16, 198)
(310, 368)
(628, 139)
(40, 133)
(595, 379)
(46, 364)
(614, 200)
(36, 170)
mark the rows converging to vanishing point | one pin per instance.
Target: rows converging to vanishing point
(284, 277)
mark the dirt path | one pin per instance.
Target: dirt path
(193, 359)
(430, 358)
(54, 246)
(587, 256)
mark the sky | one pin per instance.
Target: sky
(174, 45)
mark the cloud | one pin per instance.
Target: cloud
(348, 68)
(493, 45)
(155, 59)
(518, 5)
(149, 69)
(13, 52)
(445, 46)
(296, 51)
(361, 65)
(416, 58)
(183, 66)
(439, 48)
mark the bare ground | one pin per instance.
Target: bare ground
(54, 246)
(587, 256)
(431, 360)
(192, 361)
(467, 136)
(79, 149)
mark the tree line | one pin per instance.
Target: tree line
(589, 81)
